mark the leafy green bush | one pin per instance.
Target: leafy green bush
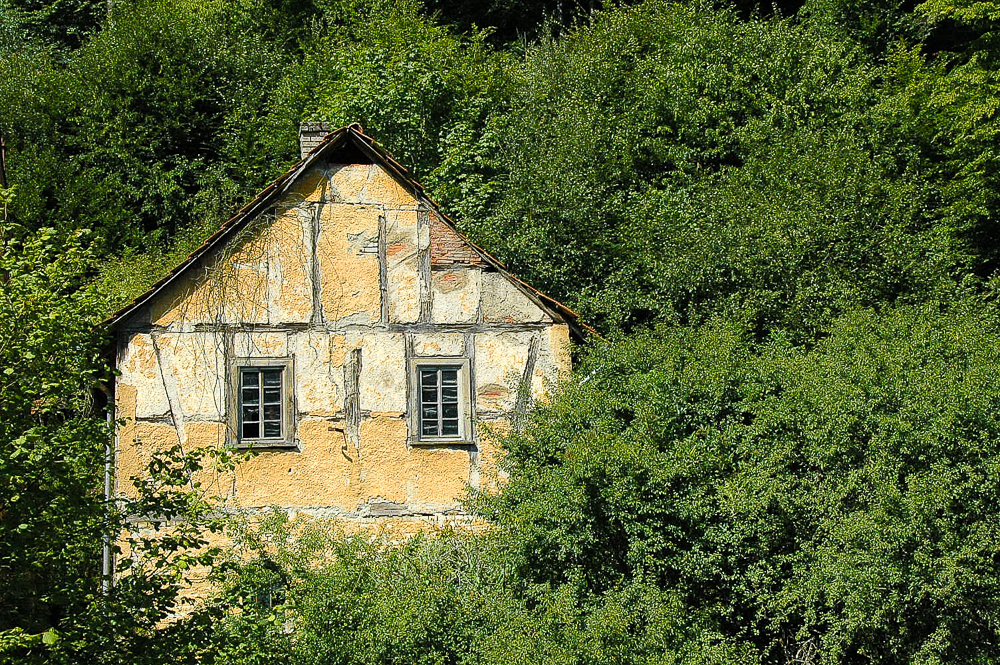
(315, 595)
(51, 446)
(147, 127)
(833, 504)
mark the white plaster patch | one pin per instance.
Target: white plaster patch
(319, 382)
(456, 295)
(139, 369)
(439, 344)
(383, 372)
(505, 303)
(198, 373)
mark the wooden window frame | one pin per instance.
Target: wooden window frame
(465, 434)
(234, 420)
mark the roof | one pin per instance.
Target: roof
(338, 138)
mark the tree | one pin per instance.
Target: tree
(151, 125)
(62, 23)
(51, 502)
(54, 439)
(830, 504)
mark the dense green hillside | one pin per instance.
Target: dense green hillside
(783, 219)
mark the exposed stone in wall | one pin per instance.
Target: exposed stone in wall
(311, 134)
(448, 249)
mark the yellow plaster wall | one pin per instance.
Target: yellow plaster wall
(348, 262)
(289, 256)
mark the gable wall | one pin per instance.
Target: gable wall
(348, 266)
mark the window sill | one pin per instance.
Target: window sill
(441, 443)
(265, 445)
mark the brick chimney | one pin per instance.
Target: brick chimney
(310, 135)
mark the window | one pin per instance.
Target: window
(262, 404)
(440, 401)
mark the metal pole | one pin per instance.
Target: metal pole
(108, 457)
(3, 163)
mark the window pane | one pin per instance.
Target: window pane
(439, 411)
(260, 406)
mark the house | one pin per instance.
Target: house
(342, 329)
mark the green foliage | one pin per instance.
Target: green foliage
(873, 25)
(405, 79)
(960, 97)
(163, 547)
(513, 20)
(50, 505)
(651, 169)
(53, 514)
(813, 480)
(350, 599)
(129, 131)
(64, 23)
(832, 503)
(446, 598)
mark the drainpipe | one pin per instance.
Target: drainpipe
(108, 458)
(3, 163)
